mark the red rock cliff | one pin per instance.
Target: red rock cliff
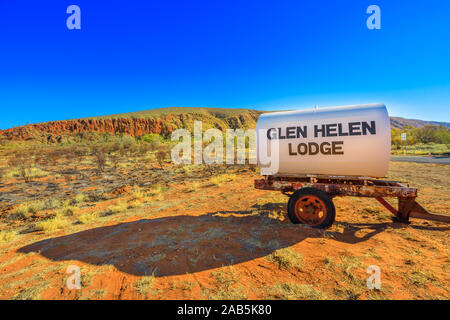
(132, 127)
(52, 131)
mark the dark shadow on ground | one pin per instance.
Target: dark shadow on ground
(185, 244)
(443, 227)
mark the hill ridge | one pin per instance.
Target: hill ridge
(159, 121)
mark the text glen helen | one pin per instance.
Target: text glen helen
(361, 128)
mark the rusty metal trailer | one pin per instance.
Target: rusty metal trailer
(310, 197)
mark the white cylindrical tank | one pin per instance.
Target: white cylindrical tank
(336, 141)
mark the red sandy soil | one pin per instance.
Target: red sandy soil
(185, 241)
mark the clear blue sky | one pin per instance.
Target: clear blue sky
(136, 55)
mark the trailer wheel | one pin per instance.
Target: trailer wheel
(312, 207)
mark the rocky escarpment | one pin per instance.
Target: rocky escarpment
(132, 127)
(160, 121)
(56, 131)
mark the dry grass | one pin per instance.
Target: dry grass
(7, 236)
(295, 291)
(348, 263)
(52, 224)
(137, 193)
(421, 278)
(226, 286)
(157, 192)
(26, 209)
(80, 198)
(135, 203)
(120, 207)
(193, 187)
(31, 293)
(209, 223)
(219, 179)
(70, 210)
(286, 258)
(31, 173)
(88, 217)
(145, 285)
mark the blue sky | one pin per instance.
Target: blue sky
(267, 55)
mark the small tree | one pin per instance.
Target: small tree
(115, 160)
(426, 134)
(23, 162)
(42, 159)
(99, 158)
(161, 156)
(80, 152)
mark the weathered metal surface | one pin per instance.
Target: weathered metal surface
(326, 177)
(357, 187)
(335, 187)
(420, 212)
(405, 206)
(387, 205)
(410, 208)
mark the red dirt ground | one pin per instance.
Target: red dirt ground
(205, 241)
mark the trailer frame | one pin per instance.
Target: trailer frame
(354, 186)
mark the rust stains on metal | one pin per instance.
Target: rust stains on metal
(339, 187)
(356, 187)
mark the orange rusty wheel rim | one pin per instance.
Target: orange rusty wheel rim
(310, 210)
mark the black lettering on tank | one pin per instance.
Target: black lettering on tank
(340, 132)
(336, 147)
(271, 136)
(313, 148)
(331, 130)
(303, 132)
(327, 150)
(317, 130)
(371, 128)
(354, 128)
(290, 132)
(304, 147)
(291, 153)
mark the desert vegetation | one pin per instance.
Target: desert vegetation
(428, 139)
(152, 128)
(141, 227)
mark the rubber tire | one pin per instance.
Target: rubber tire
(322, 195)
